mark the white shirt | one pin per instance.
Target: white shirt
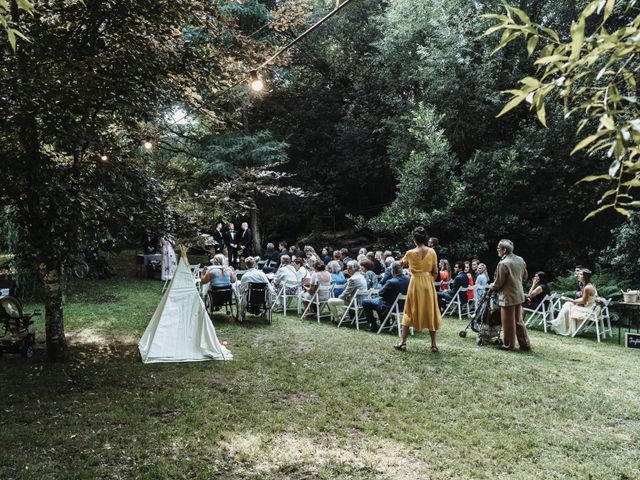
(302, 273)
(253, 275)
(285, 274)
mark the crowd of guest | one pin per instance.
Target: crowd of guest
(302, 269)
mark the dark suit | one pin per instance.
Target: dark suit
(386, 296)
(218, 241)
(246, 239)
(460, 280)
(232, 240)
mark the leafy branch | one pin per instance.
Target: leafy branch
(594, 73)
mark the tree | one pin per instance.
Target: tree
(96, 79)
(594, 73)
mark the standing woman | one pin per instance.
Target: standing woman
(421, 307)
(169, 261)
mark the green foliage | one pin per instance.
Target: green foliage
(608, 283)
(593, 72)
(623, 254)
(421, 178)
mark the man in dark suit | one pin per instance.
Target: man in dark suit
(246, 240)
(460, 280)
(218, 238)
(399, 283)
(232, 240)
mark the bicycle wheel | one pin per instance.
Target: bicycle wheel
(81, 269)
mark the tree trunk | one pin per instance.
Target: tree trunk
(57, 349)
(257, 236)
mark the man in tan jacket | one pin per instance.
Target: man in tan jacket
(511, 273)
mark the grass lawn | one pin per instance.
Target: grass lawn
(303, 401)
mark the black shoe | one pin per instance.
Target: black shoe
(373, 327)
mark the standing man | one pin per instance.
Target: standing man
(218, 239)
(231, 241)
(246, 240)
(511, 273)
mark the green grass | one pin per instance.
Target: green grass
(303, 401)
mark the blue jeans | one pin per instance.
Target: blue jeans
(369, 305)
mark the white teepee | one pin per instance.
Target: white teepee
(180, 329)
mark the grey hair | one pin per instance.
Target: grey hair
(389, 260)
(285, 260)
(396, 267)
(506, 244)
(250, 262)
(271, 246)
(354, 264)
(333, 266)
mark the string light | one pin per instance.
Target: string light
(104, 158)
(147, 145)
(256, 82)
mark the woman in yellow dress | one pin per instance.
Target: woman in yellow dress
(421, 308)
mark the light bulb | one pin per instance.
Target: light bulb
(257, 85)
(104, 158)
(256, 82)
(148, 145)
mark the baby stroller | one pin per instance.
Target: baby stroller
(14, 327)
(485, 322)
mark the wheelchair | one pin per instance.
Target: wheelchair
(222, 297)
(15, 336)
(257, 301)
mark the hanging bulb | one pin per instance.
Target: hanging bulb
(147, 145)
(104, 158)
(256, 82)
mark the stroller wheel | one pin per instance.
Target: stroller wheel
(463, 333)
(479, 341)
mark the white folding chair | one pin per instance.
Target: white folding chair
(542, 314)
(597, 316)
(287, 293)
(456, 305)
(322, 291)
(394, 315)
(355, 306)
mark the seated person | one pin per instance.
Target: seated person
(386, 276)
(575, 311)
(378, 267)
(539, 289)
(337, 277)
(218, 275)
(482, 281)
(286, 275)
(459, 280)
(325, 255)
(252, 275)
(445, 274)
(369, 275)
(319, 278)
(301, 271)
(271, 259)
(355, 284)
(399, 283)
(576, 273)
(345, 256)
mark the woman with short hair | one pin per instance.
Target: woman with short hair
(319, 278)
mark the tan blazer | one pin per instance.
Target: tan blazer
(511, 273)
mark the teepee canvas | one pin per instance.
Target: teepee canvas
(180, 329)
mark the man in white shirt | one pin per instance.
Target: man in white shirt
(253, 275)
(286, 273)
(356, 283)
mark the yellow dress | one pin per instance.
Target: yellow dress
(421, 310)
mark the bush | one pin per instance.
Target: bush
(607, 283)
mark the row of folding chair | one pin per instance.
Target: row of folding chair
(352, 312)
(598, 316)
